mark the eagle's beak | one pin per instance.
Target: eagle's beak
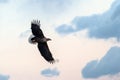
(48, 39)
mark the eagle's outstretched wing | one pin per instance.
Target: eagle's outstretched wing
(42, 41)
(45, 52)
(37, 32)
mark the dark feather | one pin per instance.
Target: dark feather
(37, 32)
(45, 52)
(42, 45)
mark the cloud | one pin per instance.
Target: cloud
(108, 65)
(104, 25)
(3, 1)
(25, 34)
(65, 28)
(48, 6)
(4, 77)
(50, 72)
(55, 6)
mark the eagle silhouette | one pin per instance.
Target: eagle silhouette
(41, 40)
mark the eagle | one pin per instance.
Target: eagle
(38, 37)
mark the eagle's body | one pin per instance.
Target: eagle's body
(42, 41)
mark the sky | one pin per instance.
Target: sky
(85, 39)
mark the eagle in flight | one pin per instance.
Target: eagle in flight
(41, 40)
